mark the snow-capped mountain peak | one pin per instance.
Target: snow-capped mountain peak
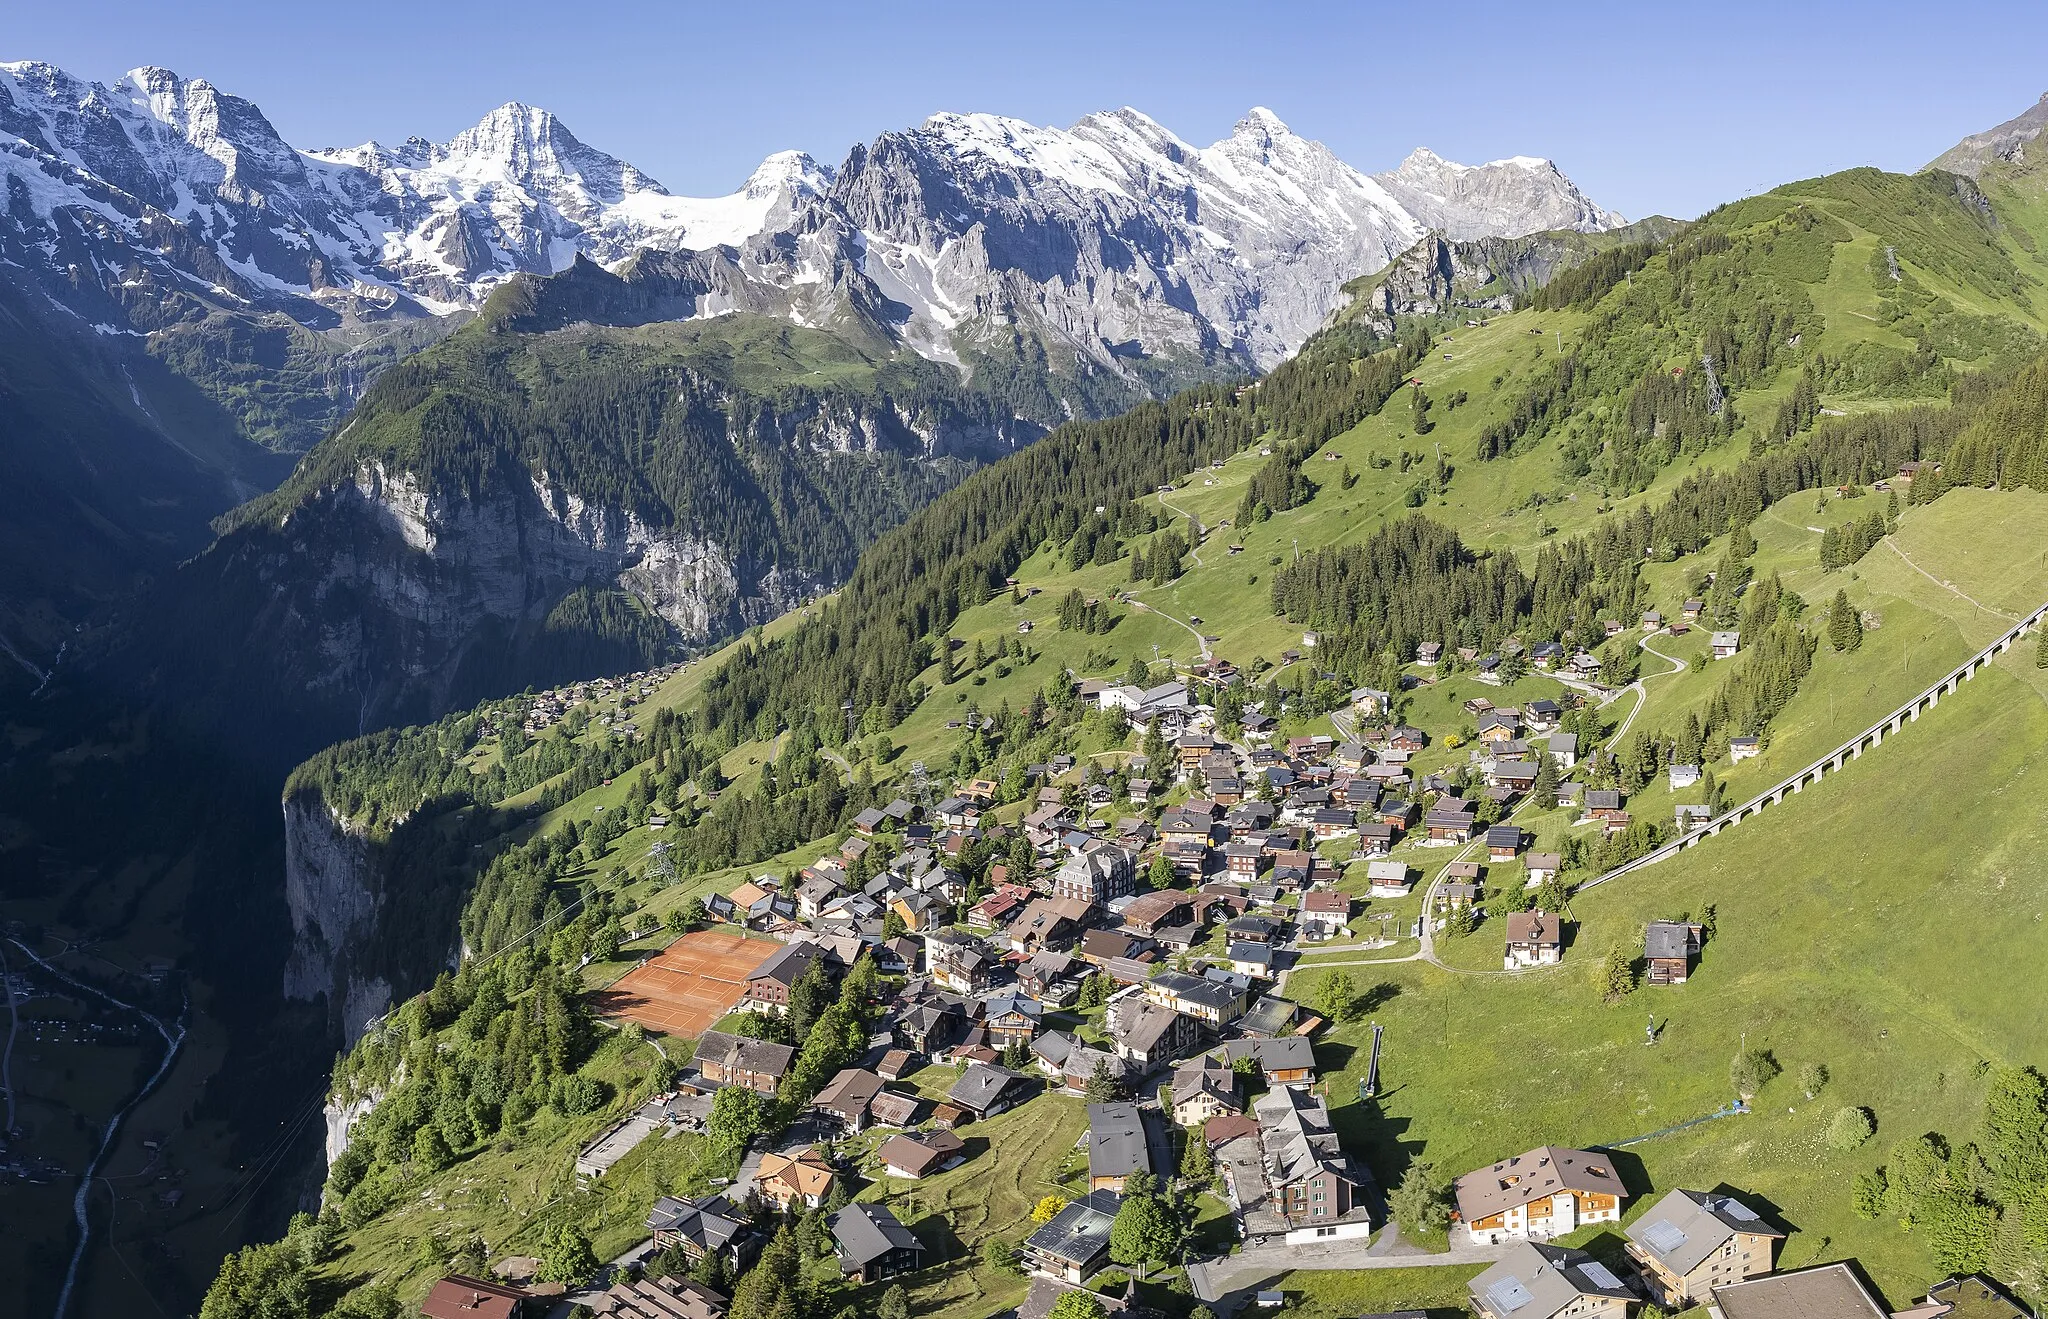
(1108, 239)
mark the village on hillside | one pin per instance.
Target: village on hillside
(1126, 961)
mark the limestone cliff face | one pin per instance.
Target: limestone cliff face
(333, 890)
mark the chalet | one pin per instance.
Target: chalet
(1011, 1018)
(958, 962)
(1270, 1017)
(1586, 664)
(1834, 1289)
(1454, 894)
(930, 1026)
(894, 1066)
(1517, 776)
(1652, 620)
(1075, 1243)
(1215, 1003)
(1258, 960)
(704, 1227)
(653, 1298)
(1047, 924)
(1325, 913)
(1499, 726)
(1668, 950)
(1546, 655)
(1252, 929)
(984, 1090)
(846, 1097)
(1204, 1087)
(1725, 644)
(1535, 1281)
(1563, 748)
(1692, 1242)
(1100, 947)
(913, 1157)
(1542, 866)
(1375, 839)
(872, 1245)
(1692, 609)
(1545, 1193)
(1052, 978)
(768, 984)
(1389, 879)
(1535, 938)
(1310, 1185)
(1742, 748)
(1446, 825)
(1691, 817)
(756, 1065)
(1503, 842)
(1603, 804)
(1118, 1147)
(1074, 1064)
(787, 1181)
(1284, 1060)
(869, 822)
(1146, 1034)
(1331, 822)
(1407, 739)
(996, 910)
(1429, 653)
(1542, 714)
(1396, 812)
(459, 1296)
(1244, 861)
(1682, 776)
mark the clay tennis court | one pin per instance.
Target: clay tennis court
(688, 985)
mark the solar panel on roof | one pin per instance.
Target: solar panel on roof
(1600, 1275)
(1737, 1209)
(1508, 1295)
(1663, 1236)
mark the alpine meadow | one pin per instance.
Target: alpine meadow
(1041, 722)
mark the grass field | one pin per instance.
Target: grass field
(1858, 927)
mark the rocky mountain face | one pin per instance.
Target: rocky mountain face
(2011, 143)
(219, 291)
(141, 205)
(1440, 275)
(518, 506)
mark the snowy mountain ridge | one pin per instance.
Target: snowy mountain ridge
(158, 199)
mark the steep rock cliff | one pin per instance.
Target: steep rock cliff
(334, 891)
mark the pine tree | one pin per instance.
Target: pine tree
(1845, 624)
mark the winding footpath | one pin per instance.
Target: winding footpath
(174, 1038)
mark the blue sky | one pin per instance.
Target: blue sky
(1669, 108)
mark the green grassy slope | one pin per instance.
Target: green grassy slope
(1834, 912)
(1874, 925)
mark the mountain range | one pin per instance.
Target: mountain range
(212, 297)
(1111, 238)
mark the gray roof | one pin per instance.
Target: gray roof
(1832, 1291)
(1269, 1016)
(743, 1053)
(1080, 1232)
(1668, 939)
(866, 1232)
(1296, 1140)
(980, 1086)
(1279, 1054)
(1210, 994)
(1116, 1141)
(1684, 1228)
(710, 1223)
(1534, 1281)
